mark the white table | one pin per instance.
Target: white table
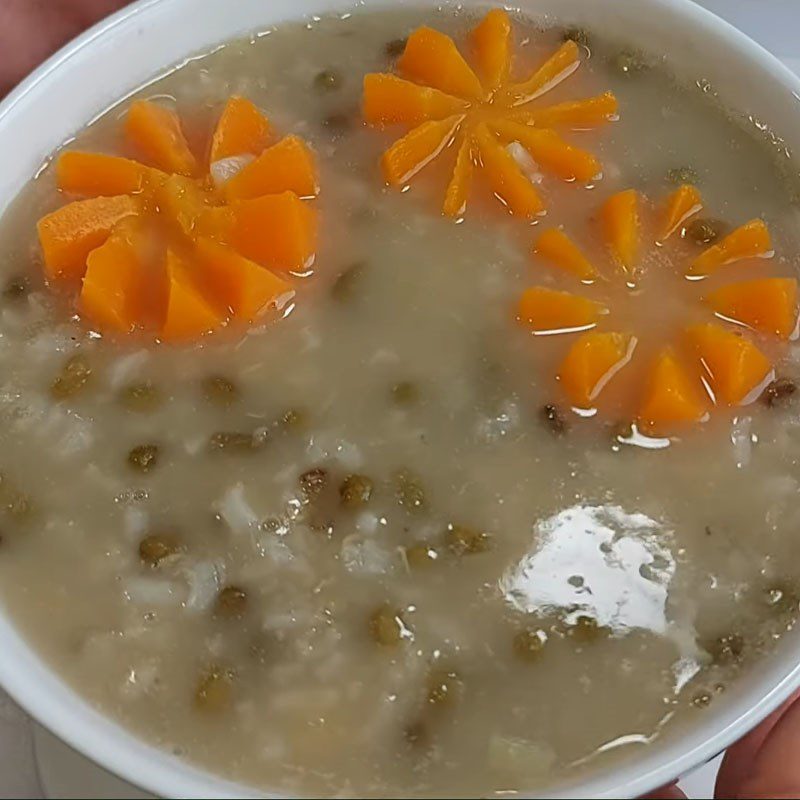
(773, 23)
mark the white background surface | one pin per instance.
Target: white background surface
(774, 24)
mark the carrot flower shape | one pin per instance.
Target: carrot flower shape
(468, 108)
(709, 365)
(176, 244)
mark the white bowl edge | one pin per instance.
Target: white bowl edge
(752, 72)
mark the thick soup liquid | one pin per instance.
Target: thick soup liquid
(502, 597)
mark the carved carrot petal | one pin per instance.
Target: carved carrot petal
(556, 69)
(550, 151)
(621, 229)
(455, 199)
(69, 234)
(242, 129)
(505, 177)
(751, 240)
(550, 311)
(243, 288)
(683, 203)
(288, 166)
(407, 156)
(432, 58)
(736, 368)
(113, 286)
(672, 395)
(491, 46)
(156, 133)
(592, 361)
(576, 114)
(388, 100)
(189, 315)
(100, 175)
(768, 305)
(555, 247)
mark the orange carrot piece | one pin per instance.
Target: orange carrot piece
(432, 58)
(111, 295)
(556, 69)
(241, 129)
(505, 177)
(592, 361)
(97, 174)
(156, 133)
(288, 166)
(189, 315)
(768, 305)
(408, 155)
(181, 201)
(555, 247)
(388, 100)
(276, 230)
(751, 240)
(491, 48)
(736, 368)
(550, 151)
(672, 395)
(245, 289)
(550, 311)
(455, 199)
(69, 234)
(576, 114)
(684, 202)
(621, 230)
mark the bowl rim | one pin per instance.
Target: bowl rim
(37, 688)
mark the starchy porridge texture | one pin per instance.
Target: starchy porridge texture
(368, 547)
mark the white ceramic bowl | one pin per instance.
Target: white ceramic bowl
(128, 49)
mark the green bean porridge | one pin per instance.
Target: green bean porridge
(368, 548)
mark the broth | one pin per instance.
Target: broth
(503, 595)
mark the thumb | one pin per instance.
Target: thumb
(774, 771)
